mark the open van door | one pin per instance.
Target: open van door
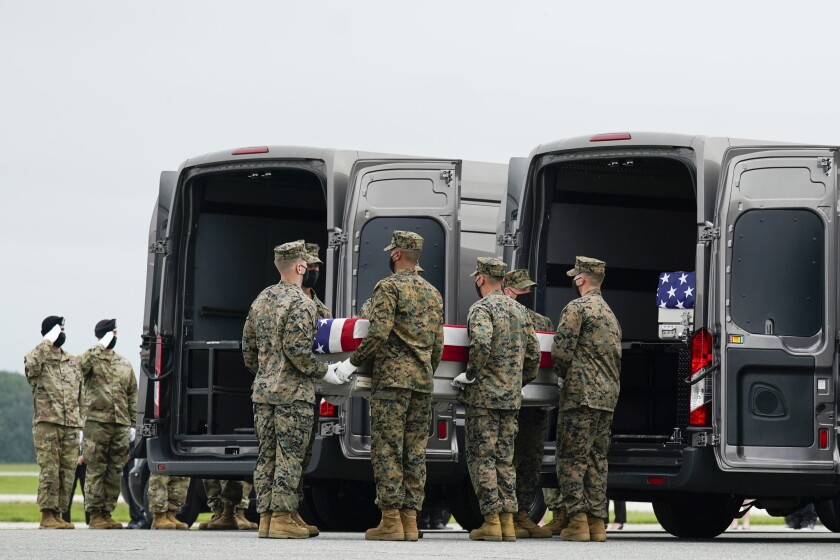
(774, 290)
(508, 235)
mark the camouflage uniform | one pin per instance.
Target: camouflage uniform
(167, 492)
(233, 492)
(405, 341)
(504, 355)
(277, 347)
(587, 353)
(110, 410)
(56, 382)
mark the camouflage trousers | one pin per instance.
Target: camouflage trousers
(56, 450)
(282, 434)
(490, 437)
(399, 425)
(105, 449)
(553, 498)
(584, 434)
(220, 492)
(527, 453)
(307, 456)
(167, 492)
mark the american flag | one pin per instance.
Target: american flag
(676, 290)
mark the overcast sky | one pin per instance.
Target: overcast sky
(96, 98)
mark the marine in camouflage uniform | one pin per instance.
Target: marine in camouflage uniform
(532, 421)
(167, 495)
(405, 342)
(56, 382)
(277, 347)
(587, 353)
(110, 410)
(504, 356)
(228, 500)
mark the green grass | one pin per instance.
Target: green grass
(17, 512)
(18, 467)
(18, 485)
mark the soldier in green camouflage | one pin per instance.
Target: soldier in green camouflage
(228, 500)
(277, 348)
(110, 409)
(167, 495)
(314, 263)
(56, 382)
(405, 341)
(587, 354)
(504, 356)
(532, 421)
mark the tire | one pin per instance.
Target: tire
(829, 513)
(536, 508)
(463, 504)
(345, 505)
(697, 516)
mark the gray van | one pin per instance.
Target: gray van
(211, 239)
(732, 399)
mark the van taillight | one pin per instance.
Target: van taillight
(327, 410)
(158, 368)
(443, 429)
(253, 150)
(823, 438)
(610, 137)
(699, 410)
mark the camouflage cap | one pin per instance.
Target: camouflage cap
(290, 251)
(519, 279)
(586, 265)
(489, 266)
(405, 240)
(312, 250)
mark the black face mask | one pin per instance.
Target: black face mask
(576, 289)
(526, 299)
(391, 264)
(60, 340)
(478, 291)
(112, 344)
(310, 278)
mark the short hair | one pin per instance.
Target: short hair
(285, 266)
(594, 278)
(495, 279)
(411, 255)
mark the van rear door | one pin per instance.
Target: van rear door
(508, 234)
(774, 284)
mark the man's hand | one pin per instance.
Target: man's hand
(461, 381)
(331, 377)
(52, 336)
(81, 460)
(344, 370)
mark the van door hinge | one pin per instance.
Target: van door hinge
(508, 240)
(337, 238)
(825, 163)
(705, 439)
(159, 247)
(447, 176)
(709, 233)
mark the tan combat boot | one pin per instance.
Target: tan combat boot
(313, 530)
(97, 520)
(226, 521)
(491, 530)
(112, 523)
(408, 517)
(597, 529)
(559, 520)
(217, 512)
(283, 527)
(508, 528)
(180, 525)
(265, 523)
(161, 521)
(64, 524)
(522, 521)
(242, 522)
(577, 529)
(49, 520)
(389, 529)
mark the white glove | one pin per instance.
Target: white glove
(132, 433)
(560, 382)
(461, 381)
(344, 370)
(331, 376)
(106, 340)
(52, 336)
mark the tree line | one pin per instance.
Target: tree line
(15, 419)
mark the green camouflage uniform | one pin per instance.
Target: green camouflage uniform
(405, 341)
(277, 347)
(504, 356)
(587, 353)
(167, 492)
(56, 382)
(233, 492)
(110, 410)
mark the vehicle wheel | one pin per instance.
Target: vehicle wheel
(829, 513)
(345, 505)
(536, 507)
(697, 516)
(463, 504)
(308, 511)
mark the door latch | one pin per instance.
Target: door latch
(825, 163)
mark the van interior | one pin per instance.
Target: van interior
(235, 219)
(639, 215)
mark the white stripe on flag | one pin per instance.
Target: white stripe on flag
(545, 340)
(360, 329)
(455, 336)
(335, 335)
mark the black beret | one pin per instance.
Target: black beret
(104, 326)
(51, 321)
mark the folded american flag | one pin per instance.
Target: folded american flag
(344, 335)
(676, 290)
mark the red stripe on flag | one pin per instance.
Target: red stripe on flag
(455, 353)
(348, 343)
(545, 360)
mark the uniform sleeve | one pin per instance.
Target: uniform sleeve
(437, 347)
(249, 344)
(131, 395)
(383, 306)
(566, 339)
(298, 333)
(85, 364)
(33, 363)
(531, 365)
(480, 330)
